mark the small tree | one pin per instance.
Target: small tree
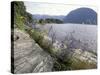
(42, 21)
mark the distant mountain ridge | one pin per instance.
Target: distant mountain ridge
(77, 16)
(38, 16)
(82, 15)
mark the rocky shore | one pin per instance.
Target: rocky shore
(30, 57)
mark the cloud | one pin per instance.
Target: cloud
(51, 8)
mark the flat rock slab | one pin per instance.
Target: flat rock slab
(28, 56)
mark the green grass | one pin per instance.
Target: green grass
(19, 21)
(39, 38)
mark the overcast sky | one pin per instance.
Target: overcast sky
(52, 9)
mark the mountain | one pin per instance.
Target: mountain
(38, 16)
(82, 15)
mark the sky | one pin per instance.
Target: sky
(53, 8)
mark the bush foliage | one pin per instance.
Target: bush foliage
(21, 17)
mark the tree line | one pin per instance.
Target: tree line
(49, 20)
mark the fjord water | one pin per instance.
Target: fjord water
(87, 34)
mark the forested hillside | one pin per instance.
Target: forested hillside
(82, 16)
(21, 17)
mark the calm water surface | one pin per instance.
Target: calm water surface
(87, 34)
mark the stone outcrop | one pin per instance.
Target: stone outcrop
(78, 58)
(81, 59)
(28, 56)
